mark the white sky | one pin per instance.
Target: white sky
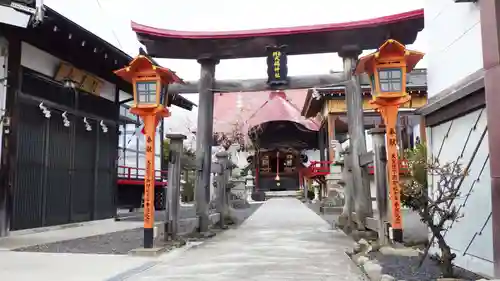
(110, 19)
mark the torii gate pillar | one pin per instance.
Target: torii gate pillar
(357, 140)
(204, 138)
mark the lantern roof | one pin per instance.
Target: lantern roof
(390, 49)
(143, 63)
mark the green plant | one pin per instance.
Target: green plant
(414, 190)
(435, 207)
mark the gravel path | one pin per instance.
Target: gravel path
(118, 243)
(403, 267)
(185, 212)
(407, 268)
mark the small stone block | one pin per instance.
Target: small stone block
(148, 252)
(179, 243)
(208, 234)
(332, 210)
(176, 136)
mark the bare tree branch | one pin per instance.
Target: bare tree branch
(435, 207)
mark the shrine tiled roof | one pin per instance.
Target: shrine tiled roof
(253, 108)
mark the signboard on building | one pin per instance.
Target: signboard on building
(83, 80)
(27, 3)
(17, 12)
(277, 66)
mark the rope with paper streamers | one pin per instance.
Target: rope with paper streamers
(47, 113)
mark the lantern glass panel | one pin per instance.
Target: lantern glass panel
(164, 96)
(390, 79)
(372, 82)
(146, 92)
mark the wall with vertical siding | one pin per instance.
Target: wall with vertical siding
(465, 140)
(132, 145)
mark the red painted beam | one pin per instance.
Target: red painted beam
(139, 182)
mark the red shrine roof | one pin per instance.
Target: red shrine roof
(259, 107)
(322, 38)
(278, 108)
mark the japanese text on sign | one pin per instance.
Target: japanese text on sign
(277, 56)
(147, 194)
(277, 69)
(393, 166)
(148, 184)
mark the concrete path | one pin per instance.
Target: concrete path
(24, 266)
(282, 240)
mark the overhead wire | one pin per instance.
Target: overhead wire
(110, 25)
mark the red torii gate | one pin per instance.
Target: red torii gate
(347, 39)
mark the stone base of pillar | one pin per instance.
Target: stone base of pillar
(249, 194)
(259, 196)
(316, 194)
(334, 191)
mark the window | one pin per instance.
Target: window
(391, 79)
(146, 91)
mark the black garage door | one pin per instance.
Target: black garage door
(63, 174)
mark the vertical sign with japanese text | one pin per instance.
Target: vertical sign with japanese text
(331, 138)
(393, 166)
(149, 179)
(277, 66)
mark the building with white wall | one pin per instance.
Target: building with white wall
(456, 119)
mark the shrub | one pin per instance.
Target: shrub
(435, 207)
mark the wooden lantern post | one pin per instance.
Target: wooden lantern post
(150, 84)
(387, 68)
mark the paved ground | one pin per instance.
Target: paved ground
(282, 240)
(19, 266)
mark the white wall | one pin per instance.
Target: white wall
(454, 42)
(471, 236)
(454, 34)
(45, 63)
(3, 85)
(312, 155)
(416, 133)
